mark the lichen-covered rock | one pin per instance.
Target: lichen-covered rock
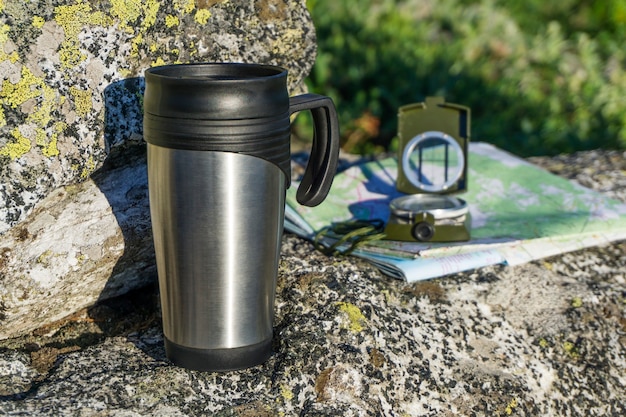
(70, 75)
(71, 93)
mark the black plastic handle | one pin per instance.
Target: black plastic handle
(322, 166)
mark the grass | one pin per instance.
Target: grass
(541, 78)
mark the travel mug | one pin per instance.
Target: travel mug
(218, 168)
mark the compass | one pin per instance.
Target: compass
(432, 164)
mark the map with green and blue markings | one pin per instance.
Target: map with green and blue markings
(519, 212)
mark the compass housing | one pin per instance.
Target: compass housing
(432, 164)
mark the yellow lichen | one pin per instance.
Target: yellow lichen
(511, 406)
(202, 16)
(577, 302)
(49, 147)
(47, 104)
(134, 45)
(4, 32)
(570, 349)
(192, 50)
(70, 54)
(356, 319)
(72, 19)
(38, 22)
(286, 392)
(186, 6)
(18, 148)
(88, 168)
(41, 138)
(158, 62)
(289, 38)
(15, 95)
(171, 21)
(127, 11)
(59, 127)
(151, 9)
(30, 87)
(82, 100)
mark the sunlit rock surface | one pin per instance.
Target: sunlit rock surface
(543, 339)
(70, 75)
(75, 229)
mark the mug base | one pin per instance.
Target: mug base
(218, 360)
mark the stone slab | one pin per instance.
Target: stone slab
(83, 243)
(546, 338)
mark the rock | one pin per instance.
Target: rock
(545, 338)
(71, 76)
(349, 341)
(71, 99)
(83, 242)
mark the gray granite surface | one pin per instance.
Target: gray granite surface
(543, 339)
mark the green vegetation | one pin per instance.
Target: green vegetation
(540, 77)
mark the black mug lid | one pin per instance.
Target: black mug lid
(216, 91)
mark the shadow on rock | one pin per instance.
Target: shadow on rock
(129, 302)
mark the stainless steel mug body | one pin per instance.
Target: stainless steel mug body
(218, 168)
(220, 220)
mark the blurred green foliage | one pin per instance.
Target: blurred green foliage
(540, 77)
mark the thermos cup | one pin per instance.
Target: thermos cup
(218, 168)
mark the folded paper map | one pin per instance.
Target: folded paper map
(519, 213)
